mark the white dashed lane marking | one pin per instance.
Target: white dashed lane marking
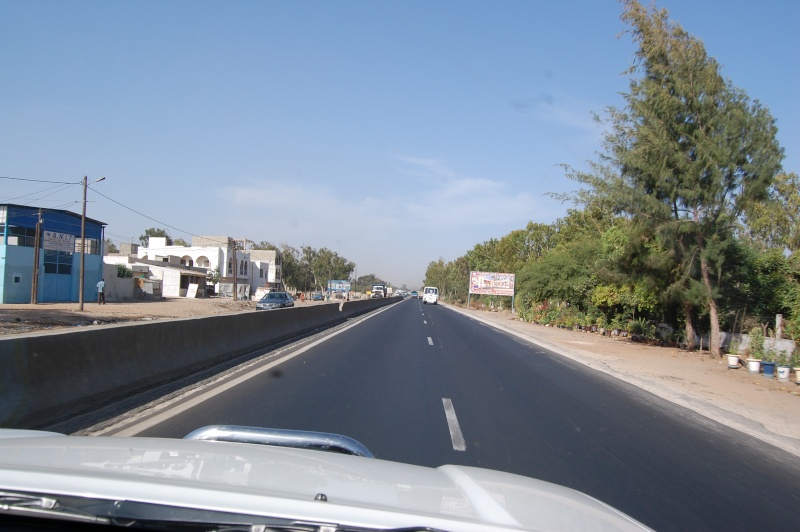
(452, 423)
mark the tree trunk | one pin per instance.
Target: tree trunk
(687, 310)
(713, 314)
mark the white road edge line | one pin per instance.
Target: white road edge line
(452, 423)
(182, 407)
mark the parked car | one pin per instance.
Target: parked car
(275, 300)
(249, 478)
(317, 296)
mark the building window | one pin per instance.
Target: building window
(92, 246)
(58, 262)
(21, 236)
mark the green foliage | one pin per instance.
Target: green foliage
(110, 247)
(642, 328)
(123, 271)
(267, 246)
(775, 222)
(686, 158)
(684, 218)
(452, 278)
(308, 268)
(180, 242)
(564, 274)
(154, 232)
(317, 267)
(757, 342)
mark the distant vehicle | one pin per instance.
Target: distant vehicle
(317, 296)
(415, 294)
(378, 290)
(430, 294)
(275, 300)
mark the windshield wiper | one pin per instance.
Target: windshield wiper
(139, 515)
(40, 506)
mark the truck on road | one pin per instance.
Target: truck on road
(378, 290)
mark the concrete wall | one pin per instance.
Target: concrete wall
(48, 377)
(117, 288)
(782, 347)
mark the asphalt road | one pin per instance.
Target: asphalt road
(425, 385)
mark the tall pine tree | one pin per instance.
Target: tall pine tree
(685, 159)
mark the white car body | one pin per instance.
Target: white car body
(262, 482)
(430, 295)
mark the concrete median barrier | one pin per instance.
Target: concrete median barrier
(48, 377)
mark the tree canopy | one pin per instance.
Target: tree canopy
(156, 232)
(686, 159)
(685, 217)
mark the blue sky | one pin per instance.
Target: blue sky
(392, 132)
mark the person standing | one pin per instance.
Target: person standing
(101, 292)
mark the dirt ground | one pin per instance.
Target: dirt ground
(761, 407)
(25, 318)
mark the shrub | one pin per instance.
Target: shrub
(757, 342)
(123, 271)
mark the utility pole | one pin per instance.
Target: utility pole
(83, 245)
(83, 240)
(36, 244)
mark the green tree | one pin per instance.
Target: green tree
(539, 239)
(154, 232)
(294, 274)
(264, 245)
(180, 242)
(484, 257)
(123, 271)
(323, 265)
(565, 274)
(111, 247)
(776, 221)
(686, 158)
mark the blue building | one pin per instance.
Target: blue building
(59, 254)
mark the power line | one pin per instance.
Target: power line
(142, 214)
(59, 187)
(40, 180)
(151, 218)
(70, 183)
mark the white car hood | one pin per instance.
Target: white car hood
(282, 482)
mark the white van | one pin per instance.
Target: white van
(430, 294)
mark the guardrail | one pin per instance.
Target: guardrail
(52, 376)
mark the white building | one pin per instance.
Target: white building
(209, 255)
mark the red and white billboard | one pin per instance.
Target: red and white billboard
(491, 283)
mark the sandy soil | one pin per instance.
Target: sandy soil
(764, 408)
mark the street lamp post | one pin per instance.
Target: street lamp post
(83, 241)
